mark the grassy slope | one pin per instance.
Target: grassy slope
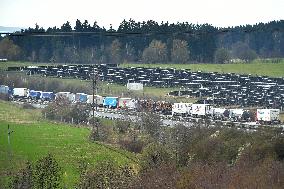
(254, 68)
(33, 139)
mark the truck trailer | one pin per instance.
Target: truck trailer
(268, 115)
(201, 110)
(181, 109)
(110, 102)
(20, 92)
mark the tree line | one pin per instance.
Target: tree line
(146, 42)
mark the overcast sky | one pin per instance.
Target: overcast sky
(221, 13)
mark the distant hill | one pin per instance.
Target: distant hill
(9, 29)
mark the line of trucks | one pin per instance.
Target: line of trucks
(263, 116)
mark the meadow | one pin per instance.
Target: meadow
(33, 137)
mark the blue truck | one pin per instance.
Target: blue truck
(35, 94)
(5, 90)
(81, 97)
(110, 102)
(48, 96)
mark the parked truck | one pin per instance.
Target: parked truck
(20, 92)
(181, 109)
(219, 113)
(123, 102)
(35, 95)
(110, 102)
(268, 115)
(70, 96)
(48, 96)
(97, 100)
(201, 110)
(4, 89)
(236, 114)
(81, 97)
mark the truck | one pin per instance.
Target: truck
(35, 94)
(98, 100)
(20, 92)
(135, 86)
(4, 89)
(62, 94)
(268, 115)
(236, 114)
(110, 102)
(48, 96)
(219, 113)
(127, 103)
(70, 96)
(123, 102)
(81, 97)
(182, 109)
(201, 110)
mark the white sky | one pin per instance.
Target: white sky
(222, 13)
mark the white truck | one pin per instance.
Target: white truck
(135, 86)
(20, 92)
(268, 115)
(182, 109)
(236, 114)
(70, 96)
(201, 110)
(218, 113)
(127, 103)
(98, 100)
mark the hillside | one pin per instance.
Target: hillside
(33, 138)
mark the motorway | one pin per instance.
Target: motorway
(165, 120)
(134, 118)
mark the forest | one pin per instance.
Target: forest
(145, 42)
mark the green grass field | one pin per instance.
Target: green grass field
(33, 138)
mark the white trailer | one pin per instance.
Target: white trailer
(70, 96)
(62, 94)
(135, 86)
(181, 108)
(236, 114)
(122, 102)
(21, 92)
(268, 115)
(132, 104)
(98, 100)
(201, 110)
(218, 113)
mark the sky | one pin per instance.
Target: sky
(219, 13)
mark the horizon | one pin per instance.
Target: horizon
(91, 24)
(219, 13)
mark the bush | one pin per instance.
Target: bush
(106, 175)
(45, 174)
(131, 145)
(154, 155)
